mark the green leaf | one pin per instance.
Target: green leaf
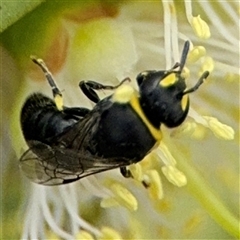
(12, 11)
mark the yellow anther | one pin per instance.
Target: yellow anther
(208, 65)
(231, 77)
(199, 132)
(219, 129)
(155, 185)
(84, 235)
(200, 27)
(189, 128)
(136, 171)
(109, 202)
(122, 196)
(185, 73)
(193, 224)
(186, 128)
(163, 206)
(196, 53)
(109, 234)
(174, 176)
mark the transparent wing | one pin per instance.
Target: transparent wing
(48, 165)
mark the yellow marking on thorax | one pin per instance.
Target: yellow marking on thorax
(184, 102)
(123, 94)
(156, 133)
(169, 80)
(126, 94)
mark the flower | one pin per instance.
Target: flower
(119, 40)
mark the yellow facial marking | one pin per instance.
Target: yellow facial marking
(184, 102)
(156, 133)
(169, 80)
(123, 94)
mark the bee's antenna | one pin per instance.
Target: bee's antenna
(199, 82)
(184, 55)
(56, 92)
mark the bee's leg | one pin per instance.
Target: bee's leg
(56, 92)
(88, 88)
(126, 172)
(81, 112)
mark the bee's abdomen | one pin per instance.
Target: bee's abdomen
(41, 120)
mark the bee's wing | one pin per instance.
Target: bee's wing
(48, 165)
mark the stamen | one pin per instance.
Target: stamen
(218, 24)
(188, 8)
(174, 176)
(109, 234)
(174, 32)
(199, 26)
(186, 128)
(208, 65)
(231, 77)
(195, 54)
(219, 129)
(136, 171)
(228, 9)
(155, 189)
(49, 217)
(122, 196)
(231, 70)
(167, 33)
(84, 235)
(193, 223)
(92, 185)
(68, 195)
(165, 155)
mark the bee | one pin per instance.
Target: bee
(69, 143)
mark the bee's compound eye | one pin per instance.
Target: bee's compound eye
(142, 76)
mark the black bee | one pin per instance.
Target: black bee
(66, 144)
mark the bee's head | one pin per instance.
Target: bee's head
(163, 94)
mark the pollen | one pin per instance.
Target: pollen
(155, 189)
(219, 129)
(200, 27)
(59, 102)
(174, 176)
(121, 196)
(196, 53)
(109, 234)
